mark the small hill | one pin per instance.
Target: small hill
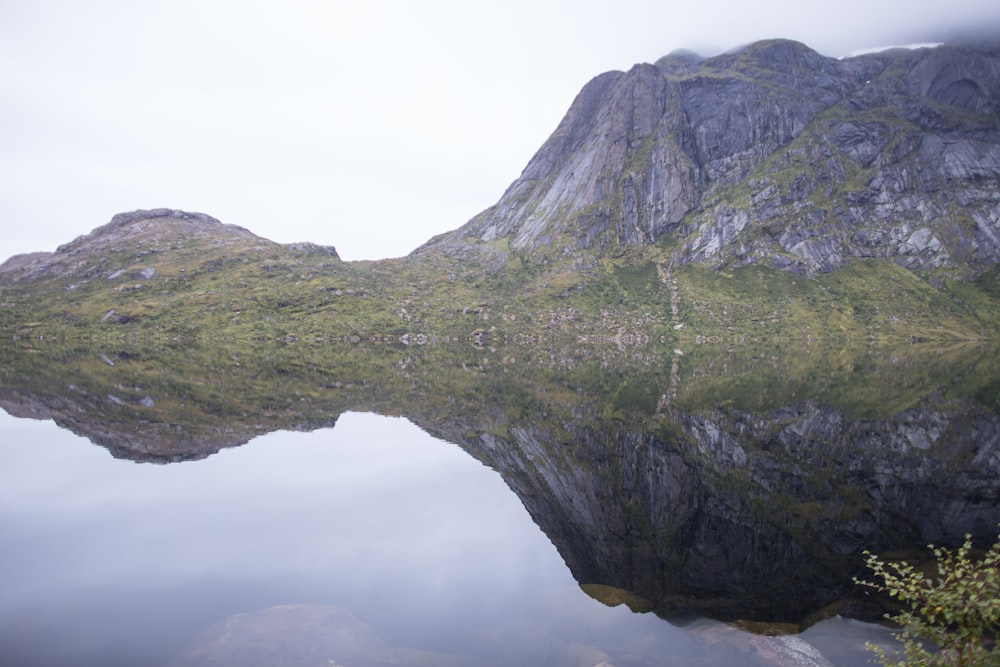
(135, 235)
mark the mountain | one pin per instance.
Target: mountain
(769, 154)
(681, 200)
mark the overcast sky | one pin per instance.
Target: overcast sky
(370, 125)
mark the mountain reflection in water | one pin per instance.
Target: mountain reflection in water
(731, 484)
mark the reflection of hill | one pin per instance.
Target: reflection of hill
(736, 483)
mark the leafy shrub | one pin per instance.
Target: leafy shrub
(948, 618)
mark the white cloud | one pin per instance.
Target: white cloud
(879, 49)
(368, 126)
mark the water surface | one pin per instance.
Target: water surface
(239, 503)
(369, 543)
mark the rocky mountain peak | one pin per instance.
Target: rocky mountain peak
(769, 153)
(153, 224)
(137, 236)
(678, 62)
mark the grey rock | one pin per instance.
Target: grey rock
(771, 153)
(142, 234)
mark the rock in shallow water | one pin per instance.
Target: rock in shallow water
(304, 635)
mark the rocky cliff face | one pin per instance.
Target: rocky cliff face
(770, 154)
(736, 515)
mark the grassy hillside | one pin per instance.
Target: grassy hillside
(168, 275)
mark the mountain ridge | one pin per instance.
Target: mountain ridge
(705, 150)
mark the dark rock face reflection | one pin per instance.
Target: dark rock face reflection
(737, 516)
(706, 484)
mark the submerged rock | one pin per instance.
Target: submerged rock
(299, 634)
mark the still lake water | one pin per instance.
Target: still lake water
(371, 543)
